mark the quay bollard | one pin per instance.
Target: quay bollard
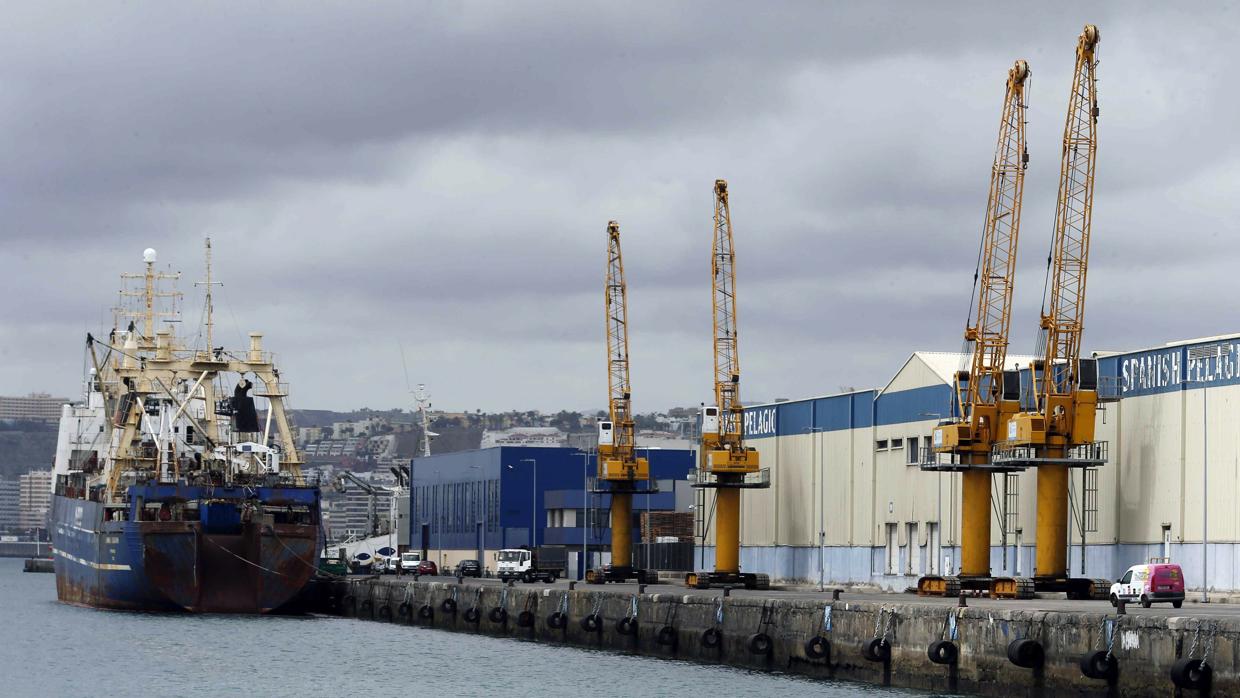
(572, 586)
(962, 603)
(641, 588)
(1121, 608)
(835, 594)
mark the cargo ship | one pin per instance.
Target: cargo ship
(176, 487)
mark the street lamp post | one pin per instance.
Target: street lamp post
(585, 508)
(533, 502)
(435, 514)
(933, 554)
(819, 488)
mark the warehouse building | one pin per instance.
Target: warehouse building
(849, 504)
(470, 504)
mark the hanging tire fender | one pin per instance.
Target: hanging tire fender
(876, 650)
(1191, 673)
(1026, 653)
(943, 652)
(666, 636)
(711, 637)
(818, 647)
(1100, 665)
(761, 644)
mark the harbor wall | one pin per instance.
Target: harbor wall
(1145, 647)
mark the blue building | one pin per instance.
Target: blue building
(469, 504)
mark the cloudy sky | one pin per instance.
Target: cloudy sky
(439, 175)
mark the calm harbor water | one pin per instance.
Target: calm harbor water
(47, 648)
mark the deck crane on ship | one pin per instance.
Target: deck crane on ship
(986, 394)
(619, 467)
(727, 464)
(1057, 434)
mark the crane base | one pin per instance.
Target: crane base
(994, 587)
(720, 580)
(621, 574)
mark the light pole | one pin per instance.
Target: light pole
(533, 503)
(485, 512)
(819, 487)
(1205, 479)
(438, 524)
(585, 508)
(933, 555)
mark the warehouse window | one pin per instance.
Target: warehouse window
(913, 458)
(897, 444)
(880, 445)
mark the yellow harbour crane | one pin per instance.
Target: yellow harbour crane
(618, 464)
(1058, 434)
(986, 395)
(727, 464)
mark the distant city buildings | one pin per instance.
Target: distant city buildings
(35, 407)
(34, 499)
(523, 436)
(10, 504)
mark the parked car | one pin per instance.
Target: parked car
(428, 567)
(1156, 582)
(468, 568)
(409, 563)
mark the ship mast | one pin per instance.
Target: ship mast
(149, 295)
(209, 307)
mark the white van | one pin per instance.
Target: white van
(409, 562)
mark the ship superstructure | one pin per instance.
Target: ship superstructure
(178, 485)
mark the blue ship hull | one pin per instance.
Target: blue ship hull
(244, 550)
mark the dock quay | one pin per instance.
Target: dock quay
(38, 564)
(1038, 647)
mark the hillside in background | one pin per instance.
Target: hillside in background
(26, 446)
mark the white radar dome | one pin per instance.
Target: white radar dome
(148, 255)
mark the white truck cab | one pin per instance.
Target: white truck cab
(513, 563)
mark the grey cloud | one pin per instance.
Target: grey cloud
(441, 174)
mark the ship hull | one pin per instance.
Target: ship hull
(248, 567)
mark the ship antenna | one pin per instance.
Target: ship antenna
(210, 308)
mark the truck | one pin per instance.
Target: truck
(547, 563)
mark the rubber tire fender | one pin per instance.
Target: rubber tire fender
(498, 615)
(426, 612)
(592, 623)
(943, 652)
(1191, 673)
(1026, 653)
(448, 606)
(385, 612)
(877, 650)
(525, 619)
(711, 638)
(404, 610)
(1099, 665)
(627, 626)
(368, 607)
(818, 647)
(472, 615)
(557, 621)
(349, 603)
(761, 644)
(666, 636)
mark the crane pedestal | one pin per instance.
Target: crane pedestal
(994, 587)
